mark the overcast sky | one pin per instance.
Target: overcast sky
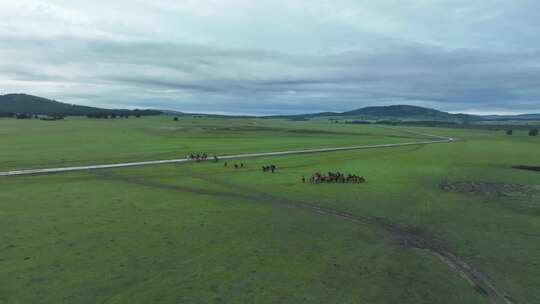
(275, 56)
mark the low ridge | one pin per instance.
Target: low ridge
(12, 104)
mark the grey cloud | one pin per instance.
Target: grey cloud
(140, 71)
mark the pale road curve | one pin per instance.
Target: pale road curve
(224, 157)
(467, 271)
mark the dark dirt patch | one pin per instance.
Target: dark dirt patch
(527, 168)
(10, 246)
(487, 188)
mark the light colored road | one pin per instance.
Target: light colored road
(475, 277)
(437, 140)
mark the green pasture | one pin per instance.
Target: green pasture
(77, 141)
(206, 233)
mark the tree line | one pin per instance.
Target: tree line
(107, 114)
(532, 132)
(26, 106)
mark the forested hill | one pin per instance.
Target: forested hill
(12, 104)
(408, 111)
(399, 112)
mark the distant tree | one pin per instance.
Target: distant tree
(533, 132)
(23, 116)
(175, 118)
(509, 132)
(358, 122)
(138, 115)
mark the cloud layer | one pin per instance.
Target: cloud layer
(273, 57)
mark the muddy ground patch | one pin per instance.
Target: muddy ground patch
(527, 168)
(489, 188)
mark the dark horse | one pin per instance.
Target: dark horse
(271, 168)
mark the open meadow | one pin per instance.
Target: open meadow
(441, 223)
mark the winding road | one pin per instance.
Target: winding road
(409, 238)
(436, 140)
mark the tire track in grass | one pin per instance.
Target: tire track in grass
(404, 236)
(401, 235)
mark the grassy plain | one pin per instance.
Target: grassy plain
(76, 141)
(203, 233)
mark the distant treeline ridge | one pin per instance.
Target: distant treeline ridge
(12, 105)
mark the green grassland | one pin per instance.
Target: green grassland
(76, 141)
(205, 233)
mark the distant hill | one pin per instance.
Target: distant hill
(27, 104)
(512, 117)
(175, 113)
(408, 112)
(395, 112)
(12, 104)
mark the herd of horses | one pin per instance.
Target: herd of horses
(200, 157)
(236, 166)
(316, 178)
(335, 177)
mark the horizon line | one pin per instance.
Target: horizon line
(474, 112)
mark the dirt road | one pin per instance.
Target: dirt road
(438, 140)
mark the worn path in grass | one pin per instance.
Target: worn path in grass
(404, 236)
(436, 140)
(401, 235)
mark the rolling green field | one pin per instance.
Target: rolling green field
(36, 143)
(206, 233)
